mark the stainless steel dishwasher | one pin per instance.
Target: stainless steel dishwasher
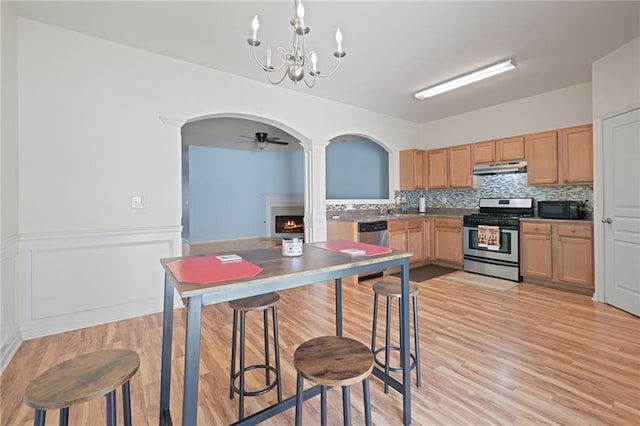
(373, 233)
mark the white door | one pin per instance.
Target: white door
(621, 214)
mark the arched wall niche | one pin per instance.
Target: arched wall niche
(357, 170)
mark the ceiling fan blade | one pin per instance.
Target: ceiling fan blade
(248, 137)
(278, 142)
(272, 138)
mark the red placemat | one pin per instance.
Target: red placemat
(338, 246)
(208, 269)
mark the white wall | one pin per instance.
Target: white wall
(566, 107)
(90, 138)
(9, 336)
(616, 88)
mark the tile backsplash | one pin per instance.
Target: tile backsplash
(493, 186)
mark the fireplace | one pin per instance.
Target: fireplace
(284, 215)
(289, 224)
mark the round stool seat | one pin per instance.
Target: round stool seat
(255, 303)
(333, 361)
(394, 289)
(81, 379)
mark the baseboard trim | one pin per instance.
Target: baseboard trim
(10, 346)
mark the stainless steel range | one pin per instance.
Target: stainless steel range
(499, 255)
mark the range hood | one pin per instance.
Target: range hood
(500, 168)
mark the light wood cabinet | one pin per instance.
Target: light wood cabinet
(437, 170)
(574, 255)
(507, 149)
(448, 240)
(460, 166)
(558, 254)
(536, 257)
(576, 155)
(412, 169)
(561, 157)
(407, 235)
(450, 167)
(484, 152)
(510, 149)
(427, 231)
(542, 158)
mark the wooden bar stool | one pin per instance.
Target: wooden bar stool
(394, 290)
(81, 379)
(241, 306)
(333, 361)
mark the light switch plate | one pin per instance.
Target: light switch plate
(137, 202)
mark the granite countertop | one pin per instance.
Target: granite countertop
(367, 216)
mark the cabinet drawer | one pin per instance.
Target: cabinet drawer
(414, 224)
(579, 231)
(535, 228)
(448, 222)
(397, 225)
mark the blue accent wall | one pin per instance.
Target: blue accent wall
(357, 169)
(226, 190)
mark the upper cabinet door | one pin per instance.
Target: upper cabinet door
(412, 169)
(437, 169)
(460, 167)
(542, 158)
(510, 149)
(576, 154)
(484, 152)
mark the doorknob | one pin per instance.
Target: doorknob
(607, 220)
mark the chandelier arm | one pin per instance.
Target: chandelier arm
(332, 72)
(275, 83)
(313, 81)
(264, 67)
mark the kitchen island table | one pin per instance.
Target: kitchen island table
(266, 271)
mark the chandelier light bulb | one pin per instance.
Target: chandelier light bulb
(314, 61)
(255, 24)
(300, 14)
(339, 39)
(268, 56)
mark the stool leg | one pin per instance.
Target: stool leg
(416, 337)
(387, 342)
(323, 405)
(40, 417)
(375, 322)
(276, 349)
(367, 401)
(400, 329)
(63, 419)
(346, 405)
(234, 342)
(242, 366)
(126, 403)
(265, 321)
(299, 395)
(111, 408)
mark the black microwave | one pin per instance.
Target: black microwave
(561, 209)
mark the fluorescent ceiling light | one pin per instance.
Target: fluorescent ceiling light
(463, 80)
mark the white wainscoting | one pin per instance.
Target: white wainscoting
(75, 280)
(9, 330)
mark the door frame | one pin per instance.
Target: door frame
(598, 197)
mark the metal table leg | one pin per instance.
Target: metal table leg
(405, 345)
(167, 336)
(192, 361)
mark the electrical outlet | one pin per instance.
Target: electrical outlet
(586, 199)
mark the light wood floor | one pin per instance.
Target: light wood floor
(528, 355)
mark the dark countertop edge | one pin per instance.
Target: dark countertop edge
(389, 218)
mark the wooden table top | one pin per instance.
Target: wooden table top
(277, 269)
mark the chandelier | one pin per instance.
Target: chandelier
(298, 64)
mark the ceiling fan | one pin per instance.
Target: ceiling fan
(261, 139)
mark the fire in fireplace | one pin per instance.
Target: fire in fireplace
(289, 224)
